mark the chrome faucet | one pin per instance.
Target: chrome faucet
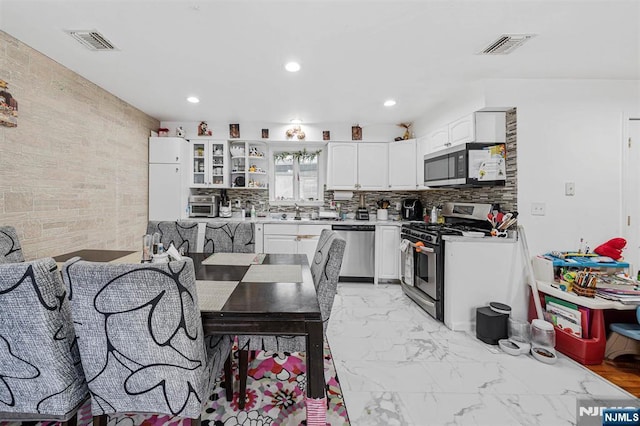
(297, 217)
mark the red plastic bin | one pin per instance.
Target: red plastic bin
(585, 351)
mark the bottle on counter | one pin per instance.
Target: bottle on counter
(243, 213)
(253, 212)
(434, 215)
(155, 241)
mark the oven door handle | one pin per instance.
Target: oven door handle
(423, 249)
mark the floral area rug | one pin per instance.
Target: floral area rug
(275, 396)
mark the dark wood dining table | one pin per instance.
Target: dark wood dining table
(257, 308)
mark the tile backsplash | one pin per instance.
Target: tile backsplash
(506, 195)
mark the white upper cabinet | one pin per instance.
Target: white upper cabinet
(490, 126)
(342, 165)
(438, 139)
(402, 165)
(480, 126)
(357, 166)
(209, 164)
(423, 147)
(373, 166)
(166, 150)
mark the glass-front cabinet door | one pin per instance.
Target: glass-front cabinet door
(209, 168)
(219, 173)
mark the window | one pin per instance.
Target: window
(297, 177)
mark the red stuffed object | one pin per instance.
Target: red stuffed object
(612, 248)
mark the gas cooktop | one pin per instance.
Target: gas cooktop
(432, 232)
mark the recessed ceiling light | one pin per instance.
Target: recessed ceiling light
(292, 67)
(193, 99)
(296, 121)
(389, 102)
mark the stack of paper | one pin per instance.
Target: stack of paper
(566, 316)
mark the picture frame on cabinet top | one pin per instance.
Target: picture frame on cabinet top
(234, 131)
(326, 135)
(265, 133)
(356, 133)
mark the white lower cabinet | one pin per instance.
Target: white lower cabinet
(387, 253)
(259, 237)
(280, 243)
(491, 273)
(292, 238)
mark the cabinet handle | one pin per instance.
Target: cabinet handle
(177, 159)
(177, 170)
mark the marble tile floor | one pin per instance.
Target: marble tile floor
(399, 366)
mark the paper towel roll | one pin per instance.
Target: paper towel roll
(342, 195)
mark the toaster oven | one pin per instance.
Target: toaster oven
(203, 206)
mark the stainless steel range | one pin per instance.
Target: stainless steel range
(423, 257)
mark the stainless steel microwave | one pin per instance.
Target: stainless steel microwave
(469, 164)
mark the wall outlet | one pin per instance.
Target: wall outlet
(569, 188)
(538, 209)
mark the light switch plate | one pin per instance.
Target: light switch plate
(569, 188)
(538, 209)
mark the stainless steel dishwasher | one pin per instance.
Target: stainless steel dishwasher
(358, 261)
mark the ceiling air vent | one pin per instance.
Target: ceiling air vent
(92, 40)
(506, 44)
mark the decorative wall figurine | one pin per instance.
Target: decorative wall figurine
(356, 133)
(8, 107)
(265, 133)
(203, 129)
(234, 131)
(407, 131)
(326, 135)
(295, 131)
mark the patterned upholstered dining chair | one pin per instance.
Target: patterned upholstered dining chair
(40, 373)
(229, 237)
(10, 249)
(141, 340)
(181, 234)
(325, 269)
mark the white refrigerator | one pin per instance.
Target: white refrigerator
(168, 178)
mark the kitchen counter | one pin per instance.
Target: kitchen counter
(511, 239)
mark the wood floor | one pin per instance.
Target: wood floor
(624, 372)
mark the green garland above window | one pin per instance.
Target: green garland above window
(303, 155)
